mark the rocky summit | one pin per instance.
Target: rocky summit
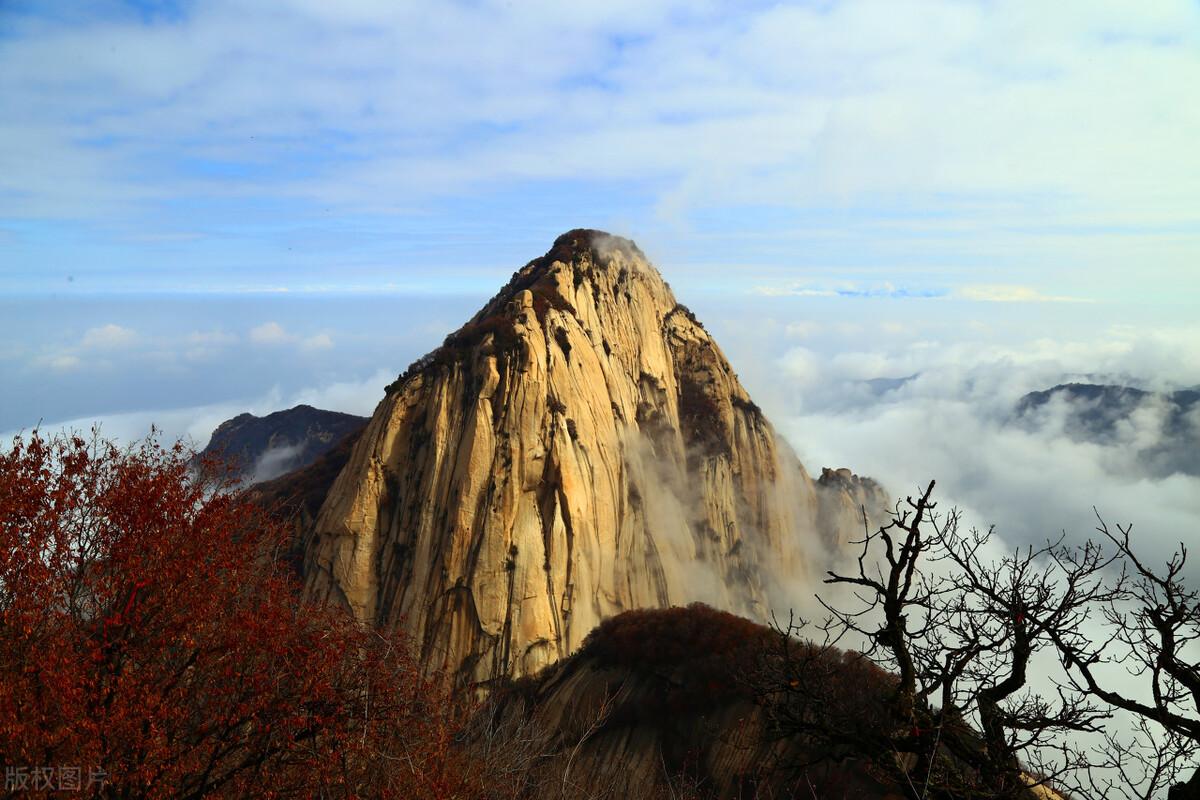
(580, 447)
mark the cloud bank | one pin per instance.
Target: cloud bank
(909, 413)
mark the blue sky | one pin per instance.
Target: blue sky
(332, 146)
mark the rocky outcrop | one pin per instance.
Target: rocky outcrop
(847, 498)
(261, 448)
(579, 448)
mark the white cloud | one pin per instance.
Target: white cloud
(801, 329)
(270, 333)
(848, 289)
(859, 98)
(802, 366)
(193, 424)
(273, 334)
(105, 339)
(196, 423)
(275, 462)
(321, 341)
(792, 291)
(955, 422)
(1007, 293)
(63, 362)
(352, 397)
(1030, 484)
(208, 345)
(989, 142)
(212, 338)
(108, 337)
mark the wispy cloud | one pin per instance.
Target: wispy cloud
(847, 289)
(61, 362)
(949, 412)
(196, 423)
(213, 337)
(272, 333)
(1007, 293)
(320, 341)
(95, 346)
(108, 337)
(931, 128)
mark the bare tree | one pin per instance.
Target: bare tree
(1005, 611)
(1136, 761)
(1152, 633)
(959, 625)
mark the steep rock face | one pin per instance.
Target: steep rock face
(580, 447)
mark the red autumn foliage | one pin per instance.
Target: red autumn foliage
(149, 630)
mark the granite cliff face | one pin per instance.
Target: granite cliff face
(579, 448)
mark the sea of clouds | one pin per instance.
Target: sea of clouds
(921, 410)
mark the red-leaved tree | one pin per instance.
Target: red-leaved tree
(152, 645)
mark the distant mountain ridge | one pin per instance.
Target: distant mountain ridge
(262, 448)
(1112, 414)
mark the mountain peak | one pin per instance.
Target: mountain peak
(599, 245)
(585, 253)
(580, 447)
(599, 279)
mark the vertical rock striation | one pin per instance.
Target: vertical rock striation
(579, 448)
